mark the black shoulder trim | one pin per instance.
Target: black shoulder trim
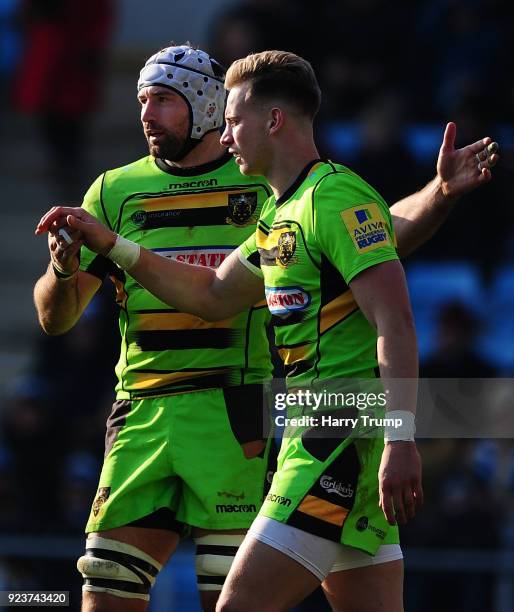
(297, 182)
(334, 171)
(255, 259)
(102, 203)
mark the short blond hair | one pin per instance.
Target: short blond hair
(278, 75)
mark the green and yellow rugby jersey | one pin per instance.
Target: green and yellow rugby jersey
(329, 226)
(196, 215)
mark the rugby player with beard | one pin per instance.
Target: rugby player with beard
(184, 440)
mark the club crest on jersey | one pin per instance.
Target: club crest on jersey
(286, 249)
(241, 207)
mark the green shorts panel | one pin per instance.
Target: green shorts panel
(329, 487)
(177, 452)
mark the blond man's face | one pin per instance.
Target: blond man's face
(245, 133)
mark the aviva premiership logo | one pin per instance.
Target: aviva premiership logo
(363, 215)
(286, 249)
(367, 227)
(241, 207)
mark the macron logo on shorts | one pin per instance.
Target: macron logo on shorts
(278, 499)
(235, 508)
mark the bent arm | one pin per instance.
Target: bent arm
(210, 294)
(417, 217)
(60, 303)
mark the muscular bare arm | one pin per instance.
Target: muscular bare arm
(210, 294)
(61, 301)
(381, 293)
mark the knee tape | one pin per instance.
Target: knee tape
(214, 556)
(116, 568)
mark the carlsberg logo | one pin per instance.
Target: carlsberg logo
(332, 486)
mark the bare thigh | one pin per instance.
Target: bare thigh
(263, 579)
(374, 588)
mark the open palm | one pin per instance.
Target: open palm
(458, 168)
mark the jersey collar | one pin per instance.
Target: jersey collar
(193, 170)
(297, 182)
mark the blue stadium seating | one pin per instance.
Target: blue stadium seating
(497, 344)
(433, 284)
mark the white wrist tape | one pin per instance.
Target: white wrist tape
(124, 253)
(402, 426)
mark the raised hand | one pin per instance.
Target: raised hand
(462, 170)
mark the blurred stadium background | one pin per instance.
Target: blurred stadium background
(392, 75)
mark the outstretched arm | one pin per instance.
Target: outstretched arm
(210, 294)
(417, 217)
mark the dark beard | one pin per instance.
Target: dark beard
(171, 149)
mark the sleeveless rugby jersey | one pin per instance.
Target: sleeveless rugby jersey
(329, 226)
(196, 215)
